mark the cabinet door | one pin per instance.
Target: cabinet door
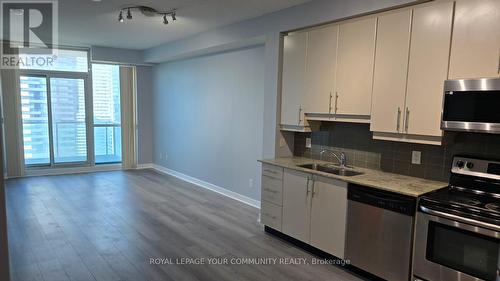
(296, 204)
(356, 51)
(475, 48)
(391, 69)
(328, 215)
(429, 57)
(294, 67)
(320, 70)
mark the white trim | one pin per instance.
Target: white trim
(212, 187)
(74, 170)
(145, 166)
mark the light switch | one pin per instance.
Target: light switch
(416, 157)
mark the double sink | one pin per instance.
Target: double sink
(330, 169)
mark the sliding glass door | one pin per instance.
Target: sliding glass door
(54, 120)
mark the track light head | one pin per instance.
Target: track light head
(165, 20)
(129, 14)
(173, 16)
(120, 17)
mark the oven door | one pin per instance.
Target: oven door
(449, 250)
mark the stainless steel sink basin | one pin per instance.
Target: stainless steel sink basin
(331, 170)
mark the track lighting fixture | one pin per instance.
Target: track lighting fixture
(147, 11)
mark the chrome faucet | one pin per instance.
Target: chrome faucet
(342, 158)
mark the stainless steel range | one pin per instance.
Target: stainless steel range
(458, 228)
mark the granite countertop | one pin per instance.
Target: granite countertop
(406, 185)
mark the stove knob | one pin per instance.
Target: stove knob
(460, 164)
(470, 165)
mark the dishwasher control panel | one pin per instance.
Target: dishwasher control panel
(382, 199)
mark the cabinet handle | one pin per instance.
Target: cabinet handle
(313, 189)
(407, 119)
(270, 190)
(336, 101)
(307, 186)
(269, 216)
(330, 104)
(499, 69)
(300, 113)
(273, 178)
(398, 119)
(270, 171)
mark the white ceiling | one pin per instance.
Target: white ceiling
(87, 22)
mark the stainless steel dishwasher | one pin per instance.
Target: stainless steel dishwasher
(379, 232)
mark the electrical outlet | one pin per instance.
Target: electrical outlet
(161, 155)
(166, 156)
(250, 183)
(308, 142)
(416, 157)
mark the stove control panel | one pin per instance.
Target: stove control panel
(476, 167)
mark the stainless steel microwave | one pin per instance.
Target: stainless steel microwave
(472, 105)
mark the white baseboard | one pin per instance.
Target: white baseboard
(212, 187)
(145, 166)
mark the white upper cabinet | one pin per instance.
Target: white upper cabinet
(294, 68)
(320, 69)
(356, 50)
(475, 49)
(428, 68)
(391, 68)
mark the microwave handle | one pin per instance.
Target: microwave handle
(459, 219)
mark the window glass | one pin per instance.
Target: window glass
(35, 120)
(107, 115)
(69, 132)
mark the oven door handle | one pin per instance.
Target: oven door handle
(460, 219)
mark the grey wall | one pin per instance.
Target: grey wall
(144, 114)
(208, 116)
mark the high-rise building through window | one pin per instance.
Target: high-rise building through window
(107, 117)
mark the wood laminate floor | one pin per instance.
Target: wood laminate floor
(107, 226)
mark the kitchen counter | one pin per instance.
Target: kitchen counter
(406, 185)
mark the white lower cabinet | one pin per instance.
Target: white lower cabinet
(270, 215)
(296, 204)
(271, 207)
(315, 210)
(328, 215)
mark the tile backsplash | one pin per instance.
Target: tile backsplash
(356, 141)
